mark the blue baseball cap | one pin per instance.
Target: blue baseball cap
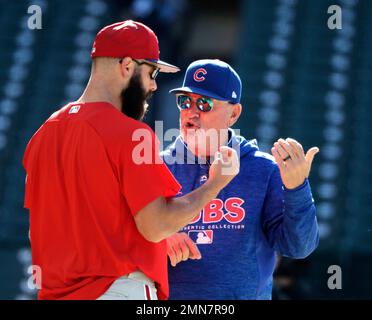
(212, 78)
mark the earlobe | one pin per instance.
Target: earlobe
(235, 114)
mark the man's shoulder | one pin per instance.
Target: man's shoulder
(263, 157)
(105, 117)
(259, 161)
(110, 124)
(122, 130)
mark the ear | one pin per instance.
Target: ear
(127, 67)
(235, 114)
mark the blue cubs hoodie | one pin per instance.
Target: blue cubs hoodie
(240, 232)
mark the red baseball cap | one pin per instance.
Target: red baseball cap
(130, 39)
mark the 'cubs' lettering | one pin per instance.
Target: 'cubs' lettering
(235, 212)
(196, 218)
(214, 211)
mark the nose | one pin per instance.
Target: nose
(193, 111)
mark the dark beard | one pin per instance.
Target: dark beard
(133, 98)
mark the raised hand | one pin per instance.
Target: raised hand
(293, 164)
(225, 167)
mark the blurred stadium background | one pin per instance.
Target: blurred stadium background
(300, 79)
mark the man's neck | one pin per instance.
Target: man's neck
(96, 91)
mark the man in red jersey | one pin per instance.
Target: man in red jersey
(98, 216)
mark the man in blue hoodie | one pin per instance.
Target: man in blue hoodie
(229, 250)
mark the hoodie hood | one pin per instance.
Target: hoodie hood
(179, 153)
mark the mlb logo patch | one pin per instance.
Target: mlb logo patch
(201, 236)
(74, 109)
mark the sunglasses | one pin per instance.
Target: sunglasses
(153, 74)
(203, 104)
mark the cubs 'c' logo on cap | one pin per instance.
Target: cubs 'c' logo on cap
(198, 75)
